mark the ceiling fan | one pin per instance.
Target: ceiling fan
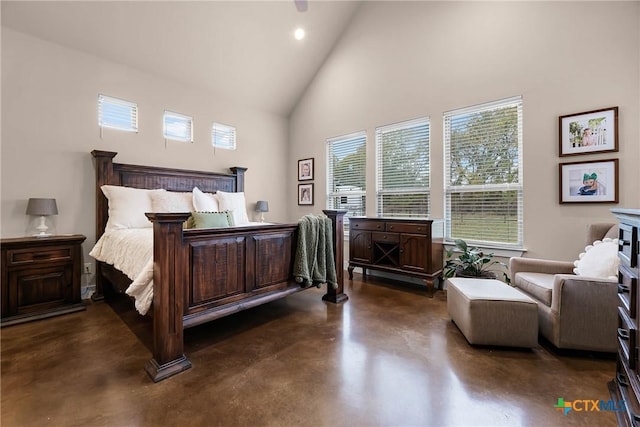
(301, 5)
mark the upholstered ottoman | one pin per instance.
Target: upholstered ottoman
(490, 312)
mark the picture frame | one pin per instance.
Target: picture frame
(305, 169)
(595, 181)
(305, 194)
(589, 132)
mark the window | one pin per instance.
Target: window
(116, 113)
(177, 127)
(223, 136)
(402, 172)
(483, 173)
(346, 173)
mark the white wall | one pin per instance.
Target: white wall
(403, 60)
(49, 127)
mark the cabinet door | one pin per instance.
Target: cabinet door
(360, 246)
(414, 252)
(35, 289)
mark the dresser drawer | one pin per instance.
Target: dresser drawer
(18, 257)
(386, 237)
(626, 338)
(628, 245)
(628, 290)
(366, 225)
(409, 227)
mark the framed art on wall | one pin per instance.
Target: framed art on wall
(305, 194)
(305, 169)
(589, 132)
(589, 182)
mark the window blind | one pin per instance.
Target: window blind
(117, 113)
(346, 173)
(177, 127)
(402, 170)
(483, 173)
(223, 136)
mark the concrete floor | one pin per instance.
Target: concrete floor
(390, 356)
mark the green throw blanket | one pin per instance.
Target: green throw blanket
(314, 263)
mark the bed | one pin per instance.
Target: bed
(253, 263)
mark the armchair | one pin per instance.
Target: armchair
(574, 312)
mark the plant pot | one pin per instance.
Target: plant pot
(483, 274)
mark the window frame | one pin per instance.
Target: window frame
(379, 176)
(331, 195)
(449, 189)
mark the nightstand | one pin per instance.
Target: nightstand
(40, 277)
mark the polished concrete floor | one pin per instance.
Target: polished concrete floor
(389, 356)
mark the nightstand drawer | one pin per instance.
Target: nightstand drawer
(627, 246)
(628, 290)
(29, 256)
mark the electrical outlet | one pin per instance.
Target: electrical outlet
(88, 268)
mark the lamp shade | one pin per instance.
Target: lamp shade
(42, 207)
(262, 206)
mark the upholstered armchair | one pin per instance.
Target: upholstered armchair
(574, 311)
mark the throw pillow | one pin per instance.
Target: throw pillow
(599, 260)
(171, 201)
(127, 207)
(234, 202)
(212, 219)
(204, 202)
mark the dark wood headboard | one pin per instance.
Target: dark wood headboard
(151, 177)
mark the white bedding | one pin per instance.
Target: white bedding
(131, 252)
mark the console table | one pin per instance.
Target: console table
(401, 246)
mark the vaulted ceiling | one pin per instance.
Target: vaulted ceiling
(243, 51)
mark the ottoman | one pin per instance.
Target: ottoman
(490, 312)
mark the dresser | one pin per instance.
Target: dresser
(626, 384)
(409, 247)
(40, 277)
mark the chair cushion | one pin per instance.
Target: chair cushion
(538, 285)
(599, 260)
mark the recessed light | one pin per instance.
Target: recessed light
(299, 33)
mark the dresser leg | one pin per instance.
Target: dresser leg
(350, 270)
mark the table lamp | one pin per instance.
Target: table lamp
(262, 206)
(42, 208)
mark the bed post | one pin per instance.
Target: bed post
(170, 277)
(337, 221)
(239, 173)
(104, 175)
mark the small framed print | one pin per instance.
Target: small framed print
(305, 169)
(305, 194)
(589, 132)
(589, 182)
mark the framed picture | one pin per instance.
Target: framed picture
(305, 169)
(305, 194)
(589, 132)
(589, 182)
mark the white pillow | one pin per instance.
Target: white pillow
(171, 201)
(127, 207)
(204, 202)
(236, 203)
(599, 260)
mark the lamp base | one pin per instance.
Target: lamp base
(42, 228)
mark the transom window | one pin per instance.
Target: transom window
(223, 136)
(177, 127)
(402, 172)
(117, 113)
(483, 173)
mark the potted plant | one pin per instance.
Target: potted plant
(471, 262)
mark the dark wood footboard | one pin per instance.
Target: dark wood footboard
(204, 274)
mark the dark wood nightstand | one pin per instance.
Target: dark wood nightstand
(40, 277)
